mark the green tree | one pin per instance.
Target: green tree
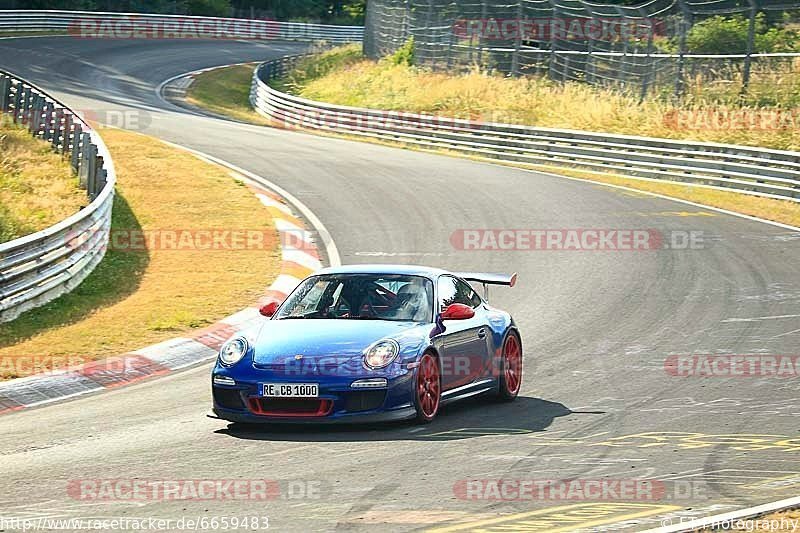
(211, 8)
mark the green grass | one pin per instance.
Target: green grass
(319, 65)
(226, 91)
(37, 186)
(136, 298)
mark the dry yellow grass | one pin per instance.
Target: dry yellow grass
(528, 100)
(37, 187)
(134, 299)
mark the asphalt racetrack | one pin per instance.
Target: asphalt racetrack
(598, 401)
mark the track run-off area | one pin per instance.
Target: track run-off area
(600, 399)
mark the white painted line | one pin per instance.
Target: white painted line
(285, 283)
(284, 225)
(159, 90)
(648, 193)
(62, 398)
(269, 202)
(242, 318)
(331, 251)
(759, 318)
(726, 518)
(301, 258)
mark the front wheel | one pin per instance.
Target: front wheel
(510, 368)
(428, 389)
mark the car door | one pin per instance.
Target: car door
(464, 349)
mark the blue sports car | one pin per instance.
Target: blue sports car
(370, 343)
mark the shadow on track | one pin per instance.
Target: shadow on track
(474, 417)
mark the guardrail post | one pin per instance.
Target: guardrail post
(64, 132)
(18, 103)
(27, 106)
(91, 179)
(5, 93)
(47, 120)
(75, 148)
(37, 111)
(88, 152)
(99, 179)
(56, 117)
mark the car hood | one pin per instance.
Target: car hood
(343, 339)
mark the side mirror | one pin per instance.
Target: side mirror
(269, 309)
(458, 312)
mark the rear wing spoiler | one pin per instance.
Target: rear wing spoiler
(488, 278)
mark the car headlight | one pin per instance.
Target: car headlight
(381, 353)
(233, 351)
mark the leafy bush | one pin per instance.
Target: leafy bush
(405, 54)
(319, 65)
(728, 35)
(209, 8)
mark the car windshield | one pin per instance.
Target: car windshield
(361, 296)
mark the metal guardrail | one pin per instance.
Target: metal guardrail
(742, 169)
(95, 24)
(40, 267)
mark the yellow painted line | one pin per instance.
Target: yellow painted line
(479, 432)
(409, 517)
(781, 482)
(679, 214)
(298, 271)
(563, 518)
(277, 213)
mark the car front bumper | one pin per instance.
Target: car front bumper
(338, 401)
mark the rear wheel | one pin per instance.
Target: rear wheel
(428, 388)
(510, 368)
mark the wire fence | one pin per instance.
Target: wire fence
(644, 49)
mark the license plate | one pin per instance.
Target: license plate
(290, 390)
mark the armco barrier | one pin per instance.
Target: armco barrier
(38, 268)
(748, 170)
(95, 24)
